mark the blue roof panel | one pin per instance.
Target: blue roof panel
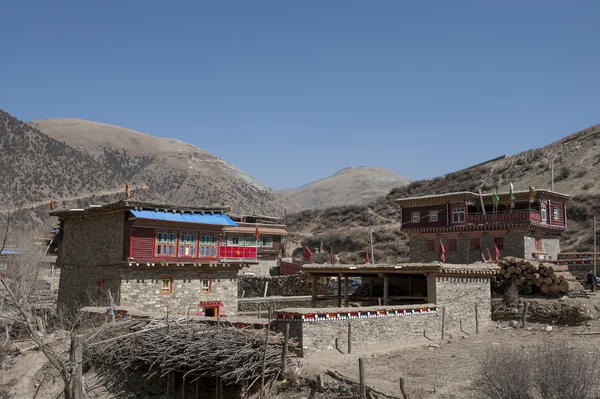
(216, 219)
(10, 251)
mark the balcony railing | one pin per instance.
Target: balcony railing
(514, 216)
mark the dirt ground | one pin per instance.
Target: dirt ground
(431, 369)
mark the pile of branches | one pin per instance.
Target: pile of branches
(196, 350)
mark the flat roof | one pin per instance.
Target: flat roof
(478, 268)
(126, 205)
(539, 194)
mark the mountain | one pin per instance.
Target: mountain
(164, 169)
(576, 172)
(35, 167)
(349, 186)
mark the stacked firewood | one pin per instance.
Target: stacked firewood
(531, 276)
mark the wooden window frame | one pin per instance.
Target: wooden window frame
(418, 217)
(499, 242)
(269, 242)
(475, 244)
(555, 213)
(208, 280)
(170, 285)
(452, 244)
(193, 245)
(543, 213)
(433, 216)
(158, 244)
(459, 211)
(429, 245)
(208, 248)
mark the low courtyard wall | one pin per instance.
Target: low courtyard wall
(317, 329)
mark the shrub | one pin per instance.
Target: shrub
(548, 371)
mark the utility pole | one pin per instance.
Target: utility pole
(552, 174)
(371, 237)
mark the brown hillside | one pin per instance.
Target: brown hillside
(576, 158)
(349, 186)
(35, 168)
(167, 169)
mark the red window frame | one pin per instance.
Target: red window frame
(208, 281)
(452, 244)
(499, 242)
(169, 286)
(475, 244)
(208, 245)
(161, 248)
(192, 248)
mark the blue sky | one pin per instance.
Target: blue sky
(291, 92)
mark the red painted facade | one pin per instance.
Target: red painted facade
(171, 243)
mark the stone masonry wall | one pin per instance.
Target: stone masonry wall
(294, 285)
(320, 336)
(93, 240)
(459, 295)
(141, 289)
(515, 244)
(79, 286)
(279, 302)
(551, 246)
(265, 268)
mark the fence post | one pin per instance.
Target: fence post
(77, 364)
(476, 320)
(349, 337)
(286, 338)
(361, 376)
(525, 308)
(443, 321)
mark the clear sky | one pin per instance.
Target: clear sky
(294, 91)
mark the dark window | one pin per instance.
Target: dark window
(452, 244)
(475, 244)
(499, 242)
(430, 245)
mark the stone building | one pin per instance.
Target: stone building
(154, 257)
(469, 225)
(390, 293)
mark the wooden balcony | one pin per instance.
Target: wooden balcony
(505, 217)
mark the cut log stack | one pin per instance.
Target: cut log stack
(532, 276)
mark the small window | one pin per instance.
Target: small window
(543, 213)
(433, 216)
(211, 311)
(452, 244)
(499, 242)
(206, 286)
(166, 285)
(555, 213)
(233, 240)
(430, 245)
(475, 244)
(267, 241)
(458, 215)
(416, 216)
(538, 245)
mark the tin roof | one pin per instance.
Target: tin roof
(207, 218)
(7, 251)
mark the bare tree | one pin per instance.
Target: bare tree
(18, 283)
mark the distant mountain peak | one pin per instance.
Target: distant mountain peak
(348, 186)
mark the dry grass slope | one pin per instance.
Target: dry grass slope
(349, 186)
(576, 158)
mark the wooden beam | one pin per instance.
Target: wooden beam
(339, 290)
(345, 290)
(385, 289)
(314, 290)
